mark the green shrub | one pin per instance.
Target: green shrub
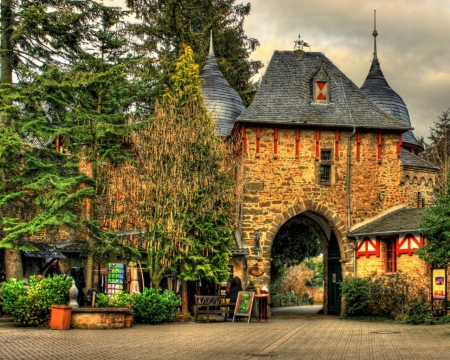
(355, 292)
(31, 304)
(394, 296)
(102, 300)
(419, 314)
(155, 306)
(120, 299)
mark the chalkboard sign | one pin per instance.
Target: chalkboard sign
(244, 304)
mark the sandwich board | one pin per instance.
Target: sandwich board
(246, 305)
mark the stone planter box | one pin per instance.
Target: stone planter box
(98, 318)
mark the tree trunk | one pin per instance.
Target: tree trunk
(184, 298)
(6, 45)
(13, 264)
(13, 257)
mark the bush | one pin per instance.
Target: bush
(419, 314)
(395, 296)
(119, 299)
(155, 306)
(31, 304)
(355, 292)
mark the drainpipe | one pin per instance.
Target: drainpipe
(347, 187)
(347, 190)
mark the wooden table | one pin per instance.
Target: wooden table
(262, 306)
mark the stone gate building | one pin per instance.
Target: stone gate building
(342, 159)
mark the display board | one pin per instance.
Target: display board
(245, 305)
(439, 284)
(116, 278)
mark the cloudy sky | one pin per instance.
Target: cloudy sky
(413, 43)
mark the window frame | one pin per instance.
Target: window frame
(390, 256)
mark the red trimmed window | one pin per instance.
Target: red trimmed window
(321, 90)
(390, 262)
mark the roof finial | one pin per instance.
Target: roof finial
(211, 48)
(375, 34)
(300, 43)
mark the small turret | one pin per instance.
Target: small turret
(220, 98)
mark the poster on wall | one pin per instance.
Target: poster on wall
(438, 284)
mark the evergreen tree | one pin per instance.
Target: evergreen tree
(435, 227)
(65, 122)
(438, 150)
(167, 25)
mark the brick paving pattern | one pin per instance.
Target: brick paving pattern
(284, 337)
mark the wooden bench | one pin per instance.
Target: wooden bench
(212, 304)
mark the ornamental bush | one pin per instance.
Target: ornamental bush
(392, 296)
(155, 306)
(31, 304)
(355, 291)
(120, 299)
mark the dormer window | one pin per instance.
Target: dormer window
(321, 87)
(321, 91)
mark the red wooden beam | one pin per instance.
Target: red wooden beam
(380, 140)
(244, 139)
(358, 145)
(317, 142)
(336, 145)
(297, 143)
(258, 138)
(275, 141)
(399, 144)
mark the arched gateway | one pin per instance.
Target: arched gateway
(315, 146)
(337, 250)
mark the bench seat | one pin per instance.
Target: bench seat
(212, 304)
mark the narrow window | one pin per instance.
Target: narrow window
(321, 91)
(391, 258)
(325, 155)
(325, 171)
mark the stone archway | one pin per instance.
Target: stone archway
(327, 227)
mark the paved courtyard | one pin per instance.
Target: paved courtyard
(286, 336)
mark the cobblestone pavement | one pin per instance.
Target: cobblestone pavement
(283, 337)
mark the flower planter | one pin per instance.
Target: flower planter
(128, 321)
(60, 318)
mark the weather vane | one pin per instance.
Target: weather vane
(299, 44)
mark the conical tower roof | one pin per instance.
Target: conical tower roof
(378, 90)
(220, 98)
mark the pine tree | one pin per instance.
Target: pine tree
(167, 25)
(66, 120)
(438, 151)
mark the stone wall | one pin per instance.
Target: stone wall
(281, 180)
(98, 318)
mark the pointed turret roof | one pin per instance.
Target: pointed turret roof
(220, 98)
(378, 90)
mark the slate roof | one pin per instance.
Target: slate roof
(378, 90)
(400, 221)
(412, 160)
(42, 251)
(285, 96)
(220, 98)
